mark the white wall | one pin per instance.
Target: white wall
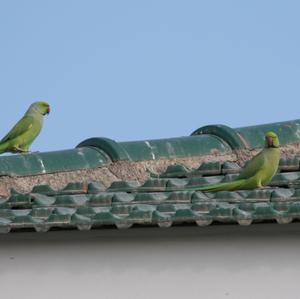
(260, 261)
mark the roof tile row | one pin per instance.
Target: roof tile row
(124, 204)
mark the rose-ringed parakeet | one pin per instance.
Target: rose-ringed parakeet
(258, 171)
(21, 136)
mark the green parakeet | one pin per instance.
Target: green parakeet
(258, 171)
(21, 136)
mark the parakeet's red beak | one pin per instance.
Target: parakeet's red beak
(269, 141)
(48, 111)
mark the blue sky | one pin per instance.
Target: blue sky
(132, 70)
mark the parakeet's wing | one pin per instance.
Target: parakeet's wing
(252, 166)
(21, 127)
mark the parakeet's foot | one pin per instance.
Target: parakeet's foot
(17, 149)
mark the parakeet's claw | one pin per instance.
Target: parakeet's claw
(19, 150)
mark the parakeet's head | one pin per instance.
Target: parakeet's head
(272, 140)
(40, 107)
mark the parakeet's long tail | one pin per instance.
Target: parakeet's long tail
(3, 147)
(228, 186)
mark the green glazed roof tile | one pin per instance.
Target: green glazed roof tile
(199, 197)
(204, 220)
(71, 200)
(51, 162)
(166, 207)
(101, 199)
(288, 132)
(282, 195)
(246, 206)
(227, 196)
(295, 184)
(281, 206)
(43, 189)
(63, 211)
(106, 218)
(209, 168)
(162, 219)
(81, 222)
(40, 200)
(185, 215)
(121, 209)
(294, 208)
(180, 197)
(122, 197)
(7, 214)
(113, 149)
(222, 210)
(141, 214)
(175, 171)
(296, 195)
(229, 177)
(176, 183)
(241, 214)
(95, 187)
(4, 222)
(61, 216)
(41, 213)
(259, 194)
(58, 220)
(86, 211)
(224, 133)
(3, 203)
(289, 163)
(26, 221)
(123, 186)
(264, 211)
(151, 198)
(193, 182)
(19, 200)
(204, 207)
(285, 179)
(230, 168)
(154, 185)
(174, 147)
(75, 188)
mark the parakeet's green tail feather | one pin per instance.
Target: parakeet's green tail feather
(228, 186)
(3, 146)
